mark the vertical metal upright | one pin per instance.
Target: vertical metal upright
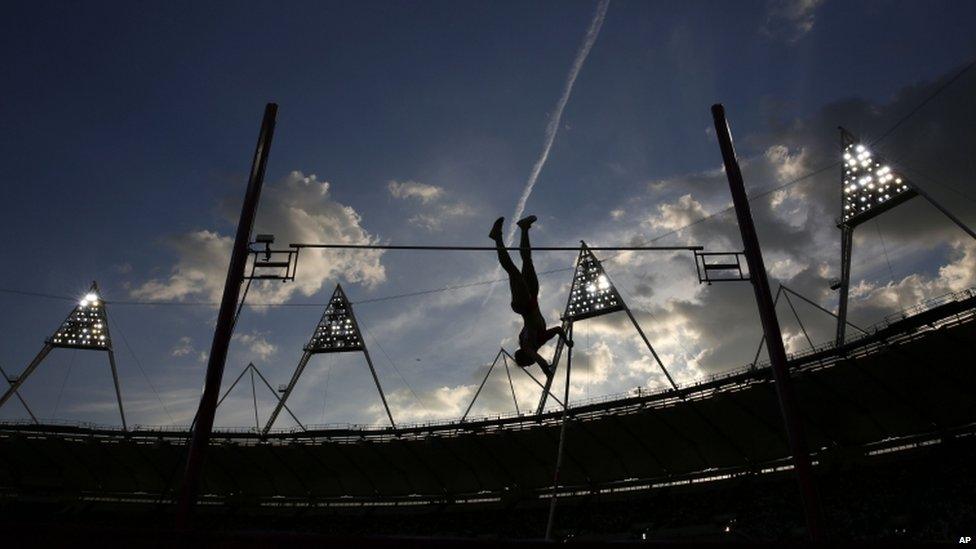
(203, 422)
(846, 250)
(770, 324)
(562, 435)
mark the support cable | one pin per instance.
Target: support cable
(511, 385)
(64, 383)
(395, 369)
(142, 370)
(329, 366)
(884, 248)
(926, 101)
(800, 322)
(20, 397)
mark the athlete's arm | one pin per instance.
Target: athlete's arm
(553, 332)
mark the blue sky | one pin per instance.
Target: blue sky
(128, 132)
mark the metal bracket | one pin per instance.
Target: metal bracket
(269, 264)
(725, 267)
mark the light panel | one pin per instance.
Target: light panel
(86, 327)
(337, 330)
(869, 183)
(592, 293)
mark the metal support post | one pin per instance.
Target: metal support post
(483, 381)
(284, 396)
(846, 249)
(277, 396)
(27, 372)
(24, 402)
(546, 389)
(762, 340)
(225, 323)
(118, 391)
(651, 348)
(798, 321)
(511, 385)
(254, 396)
(379, 388)
(774, 338)
(818, 307)
(562, 438)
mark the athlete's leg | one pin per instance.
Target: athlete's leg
(521, 298)
(503, 257)
(525, 250)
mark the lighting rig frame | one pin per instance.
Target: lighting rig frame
(592, 294)
(870, 187)
(336, 332)
(85, 329)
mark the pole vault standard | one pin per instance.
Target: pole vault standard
(203, 423)
(770, 324)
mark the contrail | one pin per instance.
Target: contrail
(552, 128)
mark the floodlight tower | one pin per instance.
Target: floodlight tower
(870, 188)
(593, 294)
(336, 332)
(85, 328)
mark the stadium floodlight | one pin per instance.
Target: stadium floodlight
(870, 185)
(592, 294)
(86, 328)
(336, 332)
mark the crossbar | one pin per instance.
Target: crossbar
(493, 248)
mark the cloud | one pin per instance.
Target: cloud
(699, 330)
(257, 344)
(298, 208)
(675, 215)
(790, 20)
(183, 347)
(412, 189)
(434, 221)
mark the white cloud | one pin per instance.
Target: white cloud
(257, 344)
(434, 221)
(298, 208)
(183, 347)
(413, 189)
(673, 216)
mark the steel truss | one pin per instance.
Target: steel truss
(848, 222)
(337, 332)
